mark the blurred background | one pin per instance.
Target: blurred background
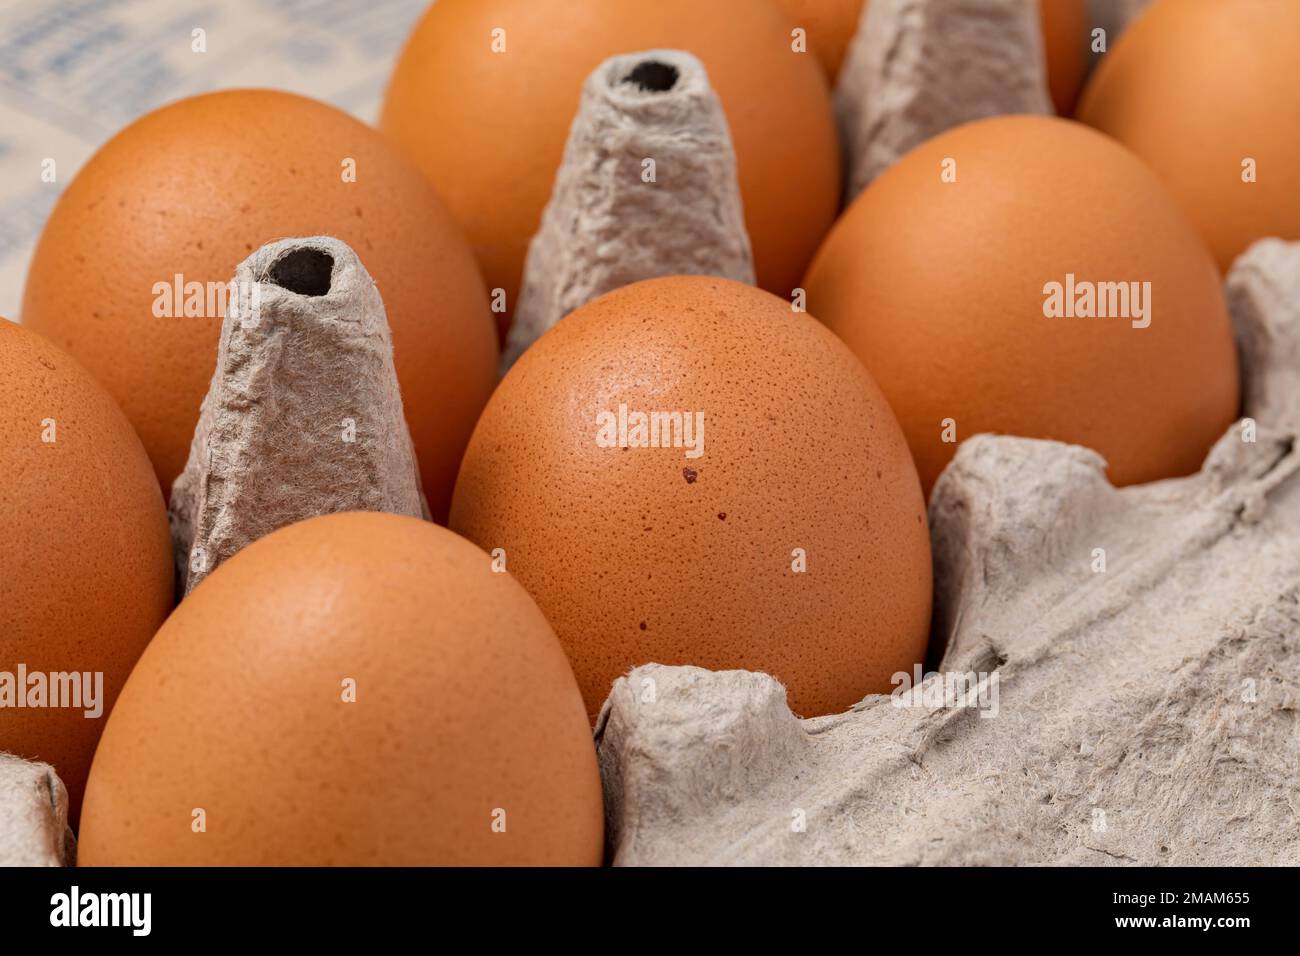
(74, 72)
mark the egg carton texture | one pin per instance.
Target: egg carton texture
(916, 68)
(1132, 655)
(303, 416)
(34, 827)
(647, 188)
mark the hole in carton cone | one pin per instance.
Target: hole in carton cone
(653, 76)
(304, 271)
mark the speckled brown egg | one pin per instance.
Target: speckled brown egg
(355, 689)
(791, 540)
(85, 556)
(1205, 92)
(485, 92)
(191, 190)
(1026, 275)
(831, 24)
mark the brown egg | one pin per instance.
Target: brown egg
(831, 24)
(791, 540)
(85, 556)
(943, 288)
(489, 128)
(196, 186)
(1065, 44)
(355, 689)
(1205, 92)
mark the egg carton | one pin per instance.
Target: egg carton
(1144, 711)
(916, 68)
(640, 113)
(304, 386)
(34, 828)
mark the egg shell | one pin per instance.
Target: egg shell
(192, 189)
(831, 25)
(939, 287)
(85, 555)
(489, 128)
(1065, 44)
(465, 714)
(1198, 87)
(643, 554)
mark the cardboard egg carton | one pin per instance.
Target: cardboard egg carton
(34, 827)
(916, 68)
(1121, 667)
(647, 188)
(303, 416)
